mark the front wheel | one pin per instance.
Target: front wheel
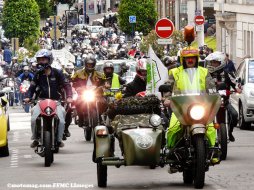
(102, 172)
(199, 176)
(11, 98)
(88, 133)
(49, 157)
(223, 141)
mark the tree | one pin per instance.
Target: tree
(21, 19)
(151, 39)
(145, 12)
(44, 7)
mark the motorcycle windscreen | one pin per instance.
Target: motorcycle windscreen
(190, 102)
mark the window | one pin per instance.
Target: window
(250, 2)
(251, 72)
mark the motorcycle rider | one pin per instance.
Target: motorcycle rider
(189, 57)
(50, 81)
(139, 82)
(86, 77)
(112, 79)
(169, 62)
(68, 72)
(123, 69)
(216, 64)
(26, 75)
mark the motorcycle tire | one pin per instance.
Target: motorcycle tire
(4, 151)
(11, 99)
(187, 176)
(48, 152)
(200, 160)
(102, 172)
(223, 141)
(88, 133)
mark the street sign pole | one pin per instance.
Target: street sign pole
(85, 12)
(55, 31)
(132, 21)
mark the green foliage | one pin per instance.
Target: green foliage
(151, 39)
(21, 19)
(31, 45)
(143, 10)
(45, 9)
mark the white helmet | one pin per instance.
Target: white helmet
(69, 67)
(141, 67)
(216, 56)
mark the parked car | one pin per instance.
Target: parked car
(245, 79)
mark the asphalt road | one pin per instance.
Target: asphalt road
(74, 169)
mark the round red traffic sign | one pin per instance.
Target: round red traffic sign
(164, 28)
(199, 19)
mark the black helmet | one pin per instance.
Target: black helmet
(90, 63)
(168, 61)
(124, 67)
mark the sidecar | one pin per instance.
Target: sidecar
(140, 138)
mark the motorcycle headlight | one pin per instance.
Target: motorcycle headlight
(197, 112)
(48, 111)
(155, 120)
(88, 95)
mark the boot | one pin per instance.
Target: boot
(67, 132)
(231, 137)
(230, 134)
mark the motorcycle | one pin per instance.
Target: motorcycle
(46, 131)
(24, 90)
(222, 119)
(9, 89)
(142, 142)
(88, 97)
(140, 136)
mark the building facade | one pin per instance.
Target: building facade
(235, 28)
(183, 11)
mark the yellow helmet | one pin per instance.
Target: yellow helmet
(189, 52)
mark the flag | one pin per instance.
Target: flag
(157, 73)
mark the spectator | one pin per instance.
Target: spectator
(230, 66)
(87, 19)
(211, 31)
(81, 10)
(7, 55)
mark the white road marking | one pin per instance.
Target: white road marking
(28, 156)
(14, 158)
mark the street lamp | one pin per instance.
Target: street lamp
(85, 11)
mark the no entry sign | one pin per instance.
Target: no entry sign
(164, 28)
(199, 20)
